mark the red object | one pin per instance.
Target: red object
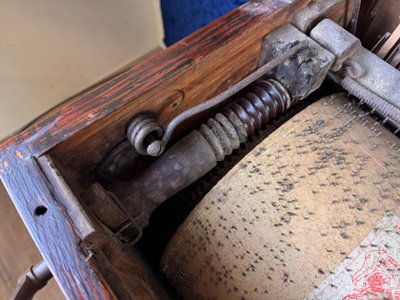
(378, 278)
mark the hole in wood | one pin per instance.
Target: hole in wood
(40, 210)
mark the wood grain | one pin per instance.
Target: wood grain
(199, 67)
(377, 17)
(188, 73)
(52, 231)
(203, 64)
(79, 133)
(18, 252)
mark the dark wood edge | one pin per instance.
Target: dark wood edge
(95, 104)
(55, 233)
(51, 227)
(48, 222)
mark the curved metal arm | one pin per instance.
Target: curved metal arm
(179, 119)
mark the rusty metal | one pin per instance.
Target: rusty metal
(119, 158)
(144, 125)
(355, 68)
(32, 281)
(322, 171)
(242, 118)
(142, 128)
(302, 73)
(189, 159)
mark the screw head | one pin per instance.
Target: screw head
(354, 69)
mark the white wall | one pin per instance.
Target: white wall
(53, 49)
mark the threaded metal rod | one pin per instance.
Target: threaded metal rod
(143, 126)
(197, 153)
(225, 132)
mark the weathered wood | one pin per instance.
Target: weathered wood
(79, 133)
(51, 228)
(193, 70)
(391, 42)
(18, 252)
(188, 73)
(377, 17)
(85, 260)
(201, 65)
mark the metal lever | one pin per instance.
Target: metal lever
(32, 281)
(140, 130)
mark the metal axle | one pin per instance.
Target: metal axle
(191, 157)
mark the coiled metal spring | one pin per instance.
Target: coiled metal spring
(149, 138)
(143, 132)
(264, 101)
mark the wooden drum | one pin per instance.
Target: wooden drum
(311, 212)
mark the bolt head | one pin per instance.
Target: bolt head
(156, 148)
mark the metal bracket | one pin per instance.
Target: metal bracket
(143, 126)
(308, 17)
(361, 72)
(304, 72)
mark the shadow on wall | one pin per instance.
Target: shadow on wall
(182, 17)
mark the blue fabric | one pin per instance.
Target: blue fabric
(182, 17)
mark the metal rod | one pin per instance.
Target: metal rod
(31, 281)
(354, 17)
(195, 155)
(231, 91)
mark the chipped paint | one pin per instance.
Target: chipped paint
(19, 155)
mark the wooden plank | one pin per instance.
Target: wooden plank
(392, 41)
(377, 17)
(198, 63)
(18, 252)
(51, 228)
(81, 131)
(212, 69)
(198, 67)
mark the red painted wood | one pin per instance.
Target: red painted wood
(52, 232)
(238, 34)
(112, 95)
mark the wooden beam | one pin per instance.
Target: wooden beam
(189, 72)
(80, 131)
(51, 228)
(391, 42)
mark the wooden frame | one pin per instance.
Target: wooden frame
(47, 166)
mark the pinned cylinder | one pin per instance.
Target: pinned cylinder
(300, 216)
